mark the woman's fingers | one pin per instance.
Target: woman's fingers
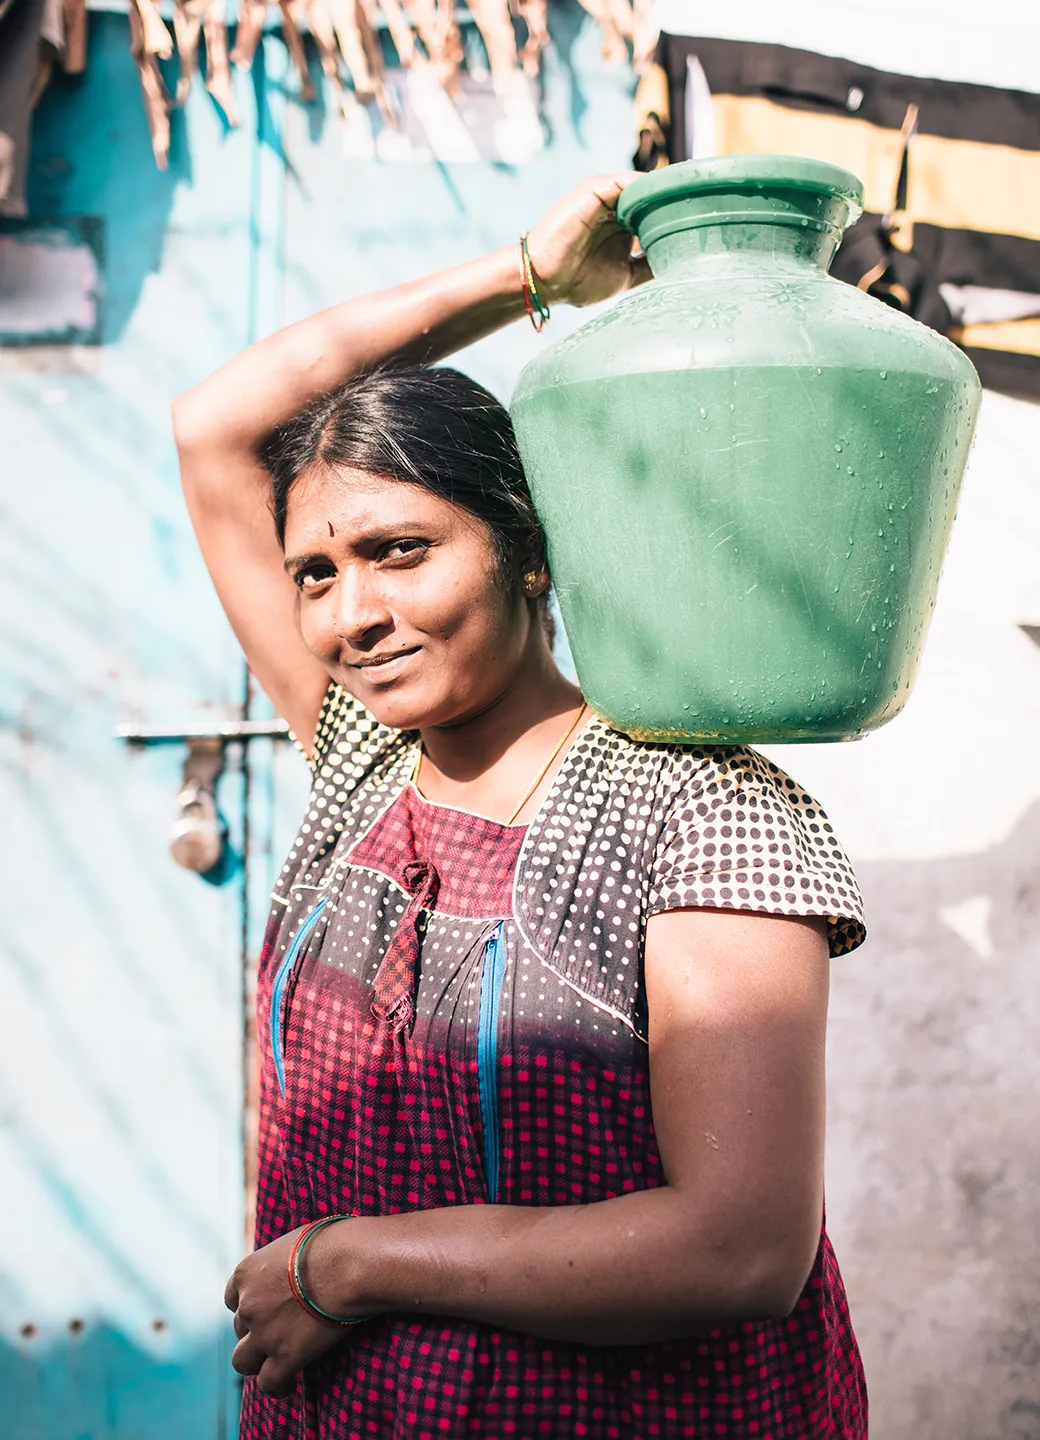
(618, 181)
(241, 1328)
(579, 252)
(274, 1380)
(231, 1292)
(247, 1357)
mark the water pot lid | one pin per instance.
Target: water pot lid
(752, 186)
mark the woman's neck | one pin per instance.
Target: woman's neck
(486, 763)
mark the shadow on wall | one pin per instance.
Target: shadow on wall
(980, 915)
(934, 1148)
(94, 1383)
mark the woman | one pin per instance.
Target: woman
(541, 1009)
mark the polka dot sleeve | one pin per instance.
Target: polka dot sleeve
(330, 721)
(742, 835)
(345, 732)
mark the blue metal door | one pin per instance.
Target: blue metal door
(120, 1132)
(125, 988)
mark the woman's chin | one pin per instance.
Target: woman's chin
(410, 702)
(399, 707)
(421, 712)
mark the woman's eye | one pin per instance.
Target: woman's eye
(308, 580)
(404, 550)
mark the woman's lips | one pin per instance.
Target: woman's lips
(387, 667)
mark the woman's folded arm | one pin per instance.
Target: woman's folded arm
(738, 1008)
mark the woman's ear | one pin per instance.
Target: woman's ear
(535, 580)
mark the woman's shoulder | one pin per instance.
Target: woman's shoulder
(738, 832)
(349, 739)
(675, 771)
(710, 774)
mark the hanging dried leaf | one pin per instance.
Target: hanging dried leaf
(438, 29)
(218, 70)
(645, 34)
(400, 31)
(615, 18)
(535, 15)
(292, 11)
(189, 18)
(150, 39)
(321, 27)
(496, 29)
(251, 16)
(361, 52)
(346, 35)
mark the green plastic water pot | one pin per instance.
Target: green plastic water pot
(747, 471)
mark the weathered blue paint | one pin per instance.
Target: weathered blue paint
(120, 1132)
(120, 1145)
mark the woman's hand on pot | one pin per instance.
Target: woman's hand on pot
(276, 1336)
(579, 252)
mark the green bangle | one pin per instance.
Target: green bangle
(298, 1286)
(537, 300)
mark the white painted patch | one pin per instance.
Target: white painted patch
(700, 113)
(980, 305)
(969, 919)
(994, 44)
(47, 285)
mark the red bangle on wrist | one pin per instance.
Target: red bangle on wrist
(296, 1286)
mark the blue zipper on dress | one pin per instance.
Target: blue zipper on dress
(278, 989)
(491, 978)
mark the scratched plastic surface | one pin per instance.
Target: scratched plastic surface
(747, 470)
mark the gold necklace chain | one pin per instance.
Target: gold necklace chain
(538, 778)
(545, 768)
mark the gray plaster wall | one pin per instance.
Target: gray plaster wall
(934, 1053)
(934, 1137)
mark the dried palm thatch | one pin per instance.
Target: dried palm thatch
(425, 33)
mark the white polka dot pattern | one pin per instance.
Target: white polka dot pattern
(627, 830)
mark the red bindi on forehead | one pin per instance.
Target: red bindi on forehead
(331, 531)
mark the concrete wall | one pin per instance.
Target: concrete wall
(934, 1141)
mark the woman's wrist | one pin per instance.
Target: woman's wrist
(338, 1266)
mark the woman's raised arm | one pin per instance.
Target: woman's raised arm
(579, 254)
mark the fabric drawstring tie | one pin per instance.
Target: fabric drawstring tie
(398, 973)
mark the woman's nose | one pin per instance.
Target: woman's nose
(360, 607)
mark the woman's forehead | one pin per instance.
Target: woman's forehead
(355, 502)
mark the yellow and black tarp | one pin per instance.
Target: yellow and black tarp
(951, 174)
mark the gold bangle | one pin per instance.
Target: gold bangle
(537, 310)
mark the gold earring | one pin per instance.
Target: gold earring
(530, 580)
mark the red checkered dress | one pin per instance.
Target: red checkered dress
(451, 1013)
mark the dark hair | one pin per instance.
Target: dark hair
(426, 425)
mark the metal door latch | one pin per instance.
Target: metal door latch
(197, 838)
(216, 730)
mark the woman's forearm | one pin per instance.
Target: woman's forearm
(422, 321)
(630, 1270)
